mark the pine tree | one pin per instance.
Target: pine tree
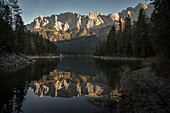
(119, 39)
(160, 21)
(126, 37)
(141, 35)
(7, 14)
(134, 39)
(6, 28)
(111, 46)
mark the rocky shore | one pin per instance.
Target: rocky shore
(35, 57)
(144, 92)
(12, 62)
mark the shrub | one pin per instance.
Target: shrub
(126, 69)
(161, 66)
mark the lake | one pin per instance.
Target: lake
(64, 85)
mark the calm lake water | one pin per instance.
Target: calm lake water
(60, 85)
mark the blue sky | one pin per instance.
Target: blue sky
(33, 8)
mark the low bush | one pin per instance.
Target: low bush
(161, 66)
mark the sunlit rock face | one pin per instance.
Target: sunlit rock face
(70, 21)
(89, 24)
(69, 85)
(134, 12)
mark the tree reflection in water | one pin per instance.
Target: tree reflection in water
(14, 85)
(71, 77)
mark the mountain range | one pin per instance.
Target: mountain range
(71, 25)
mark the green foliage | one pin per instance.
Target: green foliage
(126, 69)
(79, 46)
(161, 66)
(160, 22)
(14, 36)
(126, 40)
(107, 47)
(143, 39)
(132, 41)
(142, 45)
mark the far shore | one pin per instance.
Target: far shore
(61, 56)
(120, 58)
(46, 57)
(96, 57)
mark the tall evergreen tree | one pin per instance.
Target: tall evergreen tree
(141, 36)
(160, 21)
(119, 38)
(7, 14)
(111, 46)
(126, 39)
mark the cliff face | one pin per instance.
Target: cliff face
(134, 12)
(70, 21)
(73, 25)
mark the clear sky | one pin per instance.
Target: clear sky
(34, 8)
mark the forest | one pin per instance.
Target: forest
(15, 38)
(145, 38)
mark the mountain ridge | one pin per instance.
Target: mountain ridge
(72, 25)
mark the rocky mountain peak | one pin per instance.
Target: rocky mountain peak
(96, 13)
(41, 16)
(92, 23)
(145, 6)
(134, 12)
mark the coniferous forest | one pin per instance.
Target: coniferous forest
(14, 37)
(129, 72)
(147, 37)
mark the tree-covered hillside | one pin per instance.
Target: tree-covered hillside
(14, 38)
(144, 38)
(134, 40)
(80, 46)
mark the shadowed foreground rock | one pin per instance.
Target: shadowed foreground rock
(143, 92)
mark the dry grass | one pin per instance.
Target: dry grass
(126, 69)
(161, 66)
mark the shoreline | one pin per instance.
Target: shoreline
(95, 57)
(36, 57)
(11, 62)
(120, 58)
(61, 56)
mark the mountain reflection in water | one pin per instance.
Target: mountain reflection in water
(68, 85)
(54, 85)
